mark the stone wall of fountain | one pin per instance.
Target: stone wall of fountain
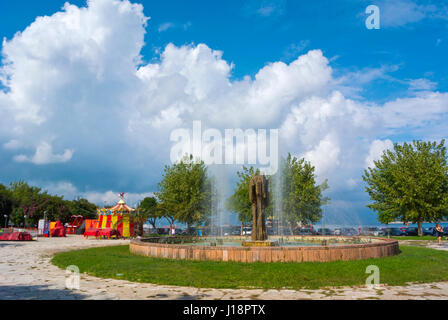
(371, 248)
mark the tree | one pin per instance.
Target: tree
(6, 204)
(148, 211)
(26, 202)
(33, 203)
(239, 201)
(185, 192)
(139, 217)
(82, 207)
(410, 183)
(301, 199)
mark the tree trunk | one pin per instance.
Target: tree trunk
(153, 223)
(420, 229)
(290, 227)
(140, 225)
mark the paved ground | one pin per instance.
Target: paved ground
(26, 273)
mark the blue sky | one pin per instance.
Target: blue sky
(251, 39)
(339, 93)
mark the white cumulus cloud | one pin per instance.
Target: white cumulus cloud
(44, 155)
(376, 151)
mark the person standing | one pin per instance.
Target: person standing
(439, 233)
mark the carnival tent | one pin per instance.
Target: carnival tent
(113, 221)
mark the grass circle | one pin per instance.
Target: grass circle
(413, 264)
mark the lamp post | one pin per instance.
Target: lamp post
(6, 220)
(24, 222)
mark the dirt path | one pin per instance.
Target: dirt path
(26, 273)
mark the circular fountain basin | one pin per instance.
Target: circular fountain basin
(288, 249)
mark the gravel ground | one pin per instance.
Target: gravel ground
(26, 273)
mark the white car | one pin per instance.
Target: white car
(247, 231)
(371, 231)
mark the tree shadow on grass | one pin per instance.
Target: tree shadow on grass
(37, 292)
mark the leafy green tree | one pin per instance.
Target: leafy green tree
(55, 207)
(147, 210)
(301, 198)
(26, 202)
(6, 204)
(185, 192)
(82, 207)
(410, 183)
(33, 203)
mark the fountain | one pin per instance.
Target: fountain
(259, 248)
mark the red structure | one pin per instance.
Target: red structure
(16, 236)
(75, 223)
(112, 222)
(58, 230)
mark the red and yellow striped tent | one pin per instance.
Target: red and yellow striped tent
(118, 218)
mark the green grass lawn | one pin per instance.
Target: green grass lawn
(413, 264)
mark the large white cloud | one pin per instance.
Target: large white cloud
(377, 149)
(70, 76)
(75, 82)
(193, 82)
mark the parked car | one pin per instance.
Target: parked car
(226, 231)
(151, 232)
(162, 231)
(429, 231)
(192, 231)
(393, 232)
(337, 232)
(179, 231)
(247, 231)
(349, 232)
(305, 231)
(324, 231)
(370, 231)
(412, 231)
(236, 231)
